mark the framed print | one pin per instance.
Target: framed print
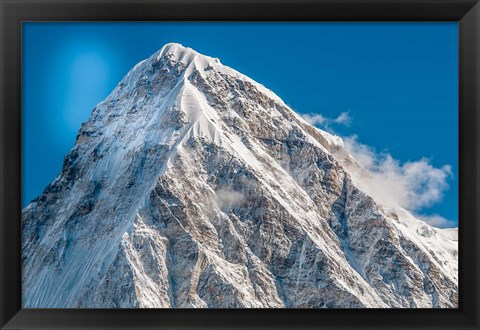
(240, 165)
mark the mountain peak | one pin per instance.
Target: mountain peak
(177, 50)
(175, 45)
(192, 185)
(186, 55)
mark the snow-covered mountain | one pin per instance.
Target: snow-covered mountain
(191, 185)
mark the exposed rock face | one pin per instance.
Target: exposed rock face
(193, 186)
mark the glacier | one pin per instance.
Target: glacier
(193, 186)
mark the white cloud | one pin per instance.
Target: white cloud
(344, 118)
(413, 185)
(228, 198)
(436, 220)
(317, 119)
(314, 119)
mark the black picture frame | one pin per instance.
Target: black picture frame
(14, 12)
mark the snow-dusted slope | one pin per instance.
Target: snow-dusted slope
(191, 185)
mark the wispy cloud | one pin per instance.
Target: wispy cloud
(228, 198)
(436, 220)
(317, 119)
(344, 119)
(413, 185)
(314, 119)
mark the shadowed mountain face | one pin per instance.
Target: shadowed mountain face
(191, 185)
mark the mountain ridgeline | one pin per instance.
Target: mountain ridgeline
(191, 185)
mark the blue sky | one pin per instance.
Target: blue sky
(395, 82)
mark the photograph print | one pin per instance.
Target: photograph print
(239, 165)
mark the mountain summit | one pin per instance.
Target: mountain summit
(191, 185)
